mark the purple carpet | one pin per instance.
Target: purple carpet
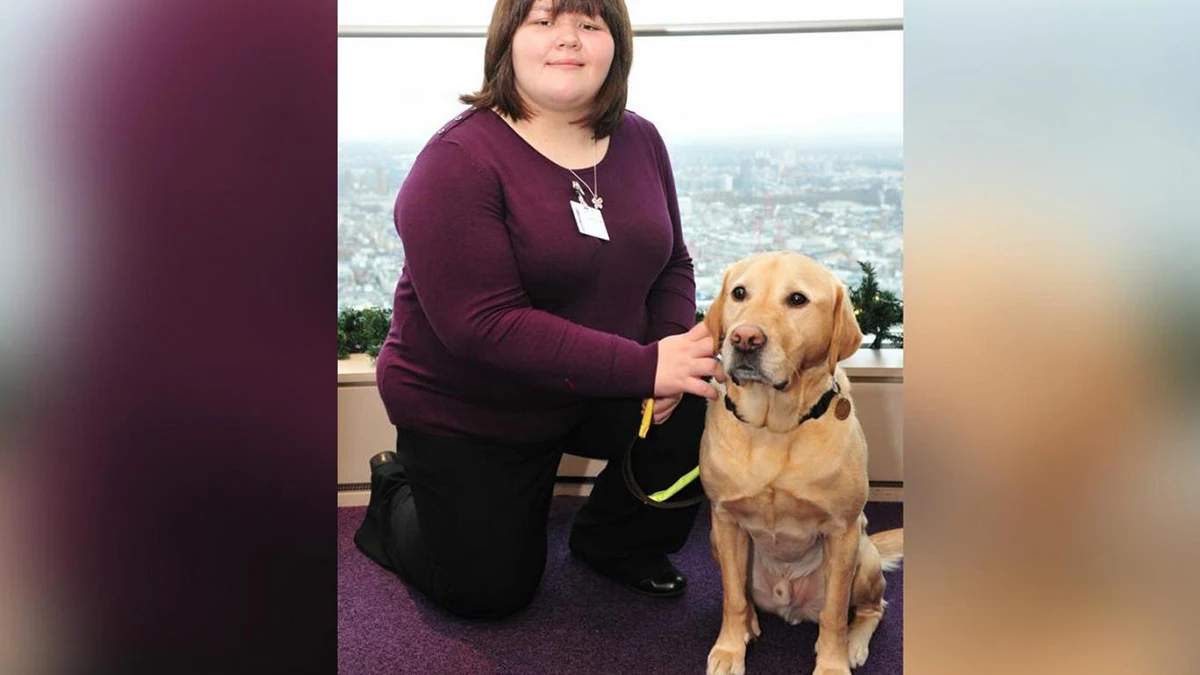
(579, 622)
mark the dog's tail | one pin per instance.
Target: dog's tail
(890, 544)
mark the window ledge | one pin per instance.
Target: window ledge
(359, 369)
(875, 363)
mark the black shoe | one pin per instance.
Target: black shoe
(647, 574)
(369, 536)
(381, 459)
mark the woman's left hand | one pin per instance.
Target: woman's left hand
(664, 406)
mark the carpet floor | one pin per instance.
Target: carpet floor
(579, 622)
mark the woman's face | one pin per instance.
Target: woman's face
(560, 63)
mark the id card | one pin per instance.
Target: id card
(589, 221)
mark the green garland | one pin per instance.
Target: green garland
(362, 330)
(877, 310)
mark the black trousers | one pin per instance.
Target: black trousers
(464, 519)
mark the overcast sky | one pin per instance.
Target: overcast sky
(804, 86)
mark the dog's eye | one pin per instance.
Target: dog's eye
(739, 293)
(796, 299)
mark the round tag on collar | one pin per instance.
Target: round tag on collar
(842, 410)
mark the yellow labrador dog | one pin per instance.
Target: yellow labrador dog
(784, 463)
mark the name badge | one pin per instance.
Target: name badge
(589, 221)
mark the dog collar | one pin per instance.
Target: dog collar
(819, 408)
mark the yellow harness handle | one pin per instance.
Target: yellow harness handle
(686, 479)
(647, 415)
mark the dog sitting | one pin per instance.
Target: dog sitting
(783, 461)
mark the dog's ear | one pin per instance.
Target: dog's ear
(712, 318)
(847, 336)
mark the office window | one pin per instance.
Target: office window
(642, 12)
(391, 99)
(781, 142)
(777, 141)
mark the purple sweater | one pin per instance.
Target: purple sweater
(507, 319)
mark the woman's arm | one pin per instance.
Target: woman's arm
(671, 304)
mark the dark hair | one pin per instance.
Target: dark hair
(500, 83)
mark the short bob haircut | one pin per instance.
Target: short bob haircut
(499, 89)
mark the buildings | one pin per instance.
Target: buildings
(840, 205)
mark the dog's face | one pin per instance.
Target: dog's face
(780, 313)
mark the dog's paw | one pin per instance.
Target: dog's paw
(752, 628)
(859, 648)
(858, 655)
(727, 661)
(823, 669)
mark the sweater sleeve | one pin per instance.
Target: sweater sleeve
(671, 304)
(450, 217)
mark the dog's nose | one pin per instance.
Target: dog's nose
(748, 338)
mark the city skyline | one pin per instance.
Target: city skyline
(837, 204)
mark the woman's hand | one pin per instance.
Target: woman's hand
(664, 406)
(683, 363)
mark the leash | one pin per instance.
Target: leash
(658, 499)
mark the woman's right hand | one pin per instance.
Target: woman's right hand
(683, 363)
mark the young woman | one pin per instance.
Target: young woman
(546, 292)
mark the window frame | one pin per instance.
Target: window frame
(643, 30)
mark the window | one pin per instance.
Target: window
(476, 13)
(777, 141)
(386, 112)
(774, 148)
